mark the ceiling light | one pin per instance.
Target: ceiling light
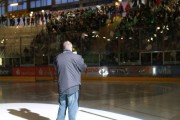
(14, 4)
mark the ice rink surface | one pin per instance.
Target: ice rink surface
(99, 100)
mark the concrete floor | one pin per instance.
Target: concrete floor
(138, 100)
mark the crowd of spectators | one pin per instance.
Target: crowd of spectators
(144, 26)
(79, 20)
(139, 24)
(36, 18)
(77, 25)
(148, 27)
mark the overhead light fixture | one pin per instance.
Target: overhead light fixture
(152, 38)
(130, 37)
(158, 28)
(117, 3)
(108, 40)
(98, 6)
(14, 4)
(2, 41)
(94, 32)
(155, 35)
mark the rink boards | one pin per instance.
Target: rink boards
(120, 73)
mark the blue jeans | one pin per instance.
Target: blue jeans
(71, 102)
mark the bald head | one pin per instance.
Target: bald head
(67, 45)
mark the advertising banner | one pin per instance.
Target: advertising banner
(134, 71)
(5, 71)
(171, 71)
(24, 71)
(118, 71)
(34, 71)
(45, 71)
(139, 70)
(175, 71)
(92, 71)
(104, 71)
